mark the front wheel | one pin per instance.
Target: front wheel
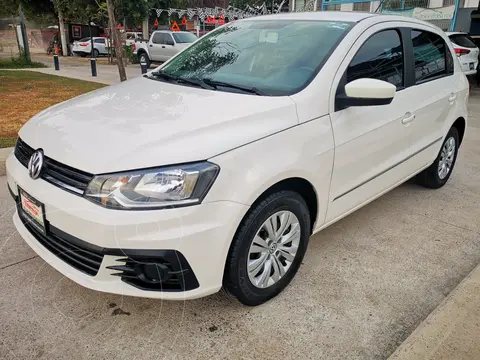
(439, 172)
(268, 248)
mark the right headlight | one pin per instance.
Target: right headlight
(162, 187)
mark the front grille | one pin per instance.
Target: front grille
(58, 174)
(86, 260)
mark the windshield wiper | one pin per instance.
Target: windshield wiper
(215, 83)
(180, 80)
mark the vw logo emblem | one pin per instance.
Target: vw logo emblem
(35, 164)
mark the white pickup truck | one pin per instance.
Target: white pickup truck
(163, 44)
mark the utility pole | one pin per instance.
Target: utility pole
(117, 41)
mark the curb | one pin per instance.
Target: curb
(3, 157)
(448, 328)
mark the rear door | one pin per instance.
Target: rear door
(156, 46)
(100, 45)
(372, 143)
(433, 93)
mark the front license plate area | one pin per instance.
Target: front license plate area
(32, 210)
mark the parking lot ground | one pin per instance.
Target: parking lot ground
(366, 283)
(452, 330)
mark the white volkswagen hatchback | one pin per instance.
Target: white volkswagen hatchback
(215, 168)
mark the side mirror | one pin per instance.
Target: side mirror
(366, 92)
(170, 42)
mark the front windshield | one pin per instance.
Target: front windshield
(277, 57)
(184, 37)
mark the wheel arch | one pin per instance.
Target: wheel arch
(460, 124)
(299, 185)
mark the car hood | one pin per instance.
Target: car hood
(144, 123)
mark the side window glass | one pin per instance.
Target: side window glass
(168, 39)
(430, 55)
(380, 57)
(157, 38)
(100, 41)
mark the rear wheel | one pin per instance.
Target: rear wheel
(96, 53)
(143, 58)
(439, 172)
(268, 248)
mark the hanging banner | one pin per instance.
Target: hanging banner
(444, 13)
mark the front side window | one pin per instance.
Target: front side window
(182, 38)
(429, 51)
(380, 57)
(277, 57)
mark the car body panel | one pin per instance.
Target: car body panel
(171, 124)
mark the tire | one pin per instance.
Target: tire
(144, 57)
(96, 53)
(237, 280)
(431, 177)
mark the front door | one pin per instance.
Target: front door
(372, 143)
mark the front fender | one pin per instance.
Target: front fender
(305, 151)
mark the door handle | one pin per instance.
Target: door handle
(452, 97)
(150, 45)
(163, 47)
(408, 118)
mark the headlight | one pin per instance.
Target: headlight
(153, 188)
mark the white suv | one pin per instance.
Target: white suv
(216, 168)
(466, 51)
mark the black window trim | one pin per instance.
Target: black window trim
(401, 31)
(412, 57)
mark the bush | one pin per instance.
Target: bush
(128, 51)
(20, 63)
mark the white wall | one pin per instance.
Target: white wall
(471, 3)
(436, 3)
(346, 7)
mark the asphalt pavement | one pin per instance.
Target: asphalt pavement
(365, 285)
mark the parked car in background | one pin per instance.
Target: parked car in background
(252, 139)
(163, 44)
(83, 47)
(131, 37)
(466, 50)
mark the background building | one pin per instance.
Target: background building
(439, 12)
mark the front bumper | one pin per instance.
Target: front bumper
(201, 234)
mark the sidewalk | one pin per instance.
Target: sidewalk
(452, 330)
(106, 74)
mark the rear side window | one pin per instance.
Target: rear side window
(100, 41)
(462, 40)
(380, 57)
(430, 55)
(158, 38)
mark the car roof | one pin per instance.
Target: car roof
(347, 16)
(455, 33)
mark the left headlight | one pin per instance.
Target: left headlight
(169, 186)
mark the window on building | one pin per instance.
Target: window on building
(335, 7)
(361, 6)
(380, 57)
(430, 55)
(453, 2)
